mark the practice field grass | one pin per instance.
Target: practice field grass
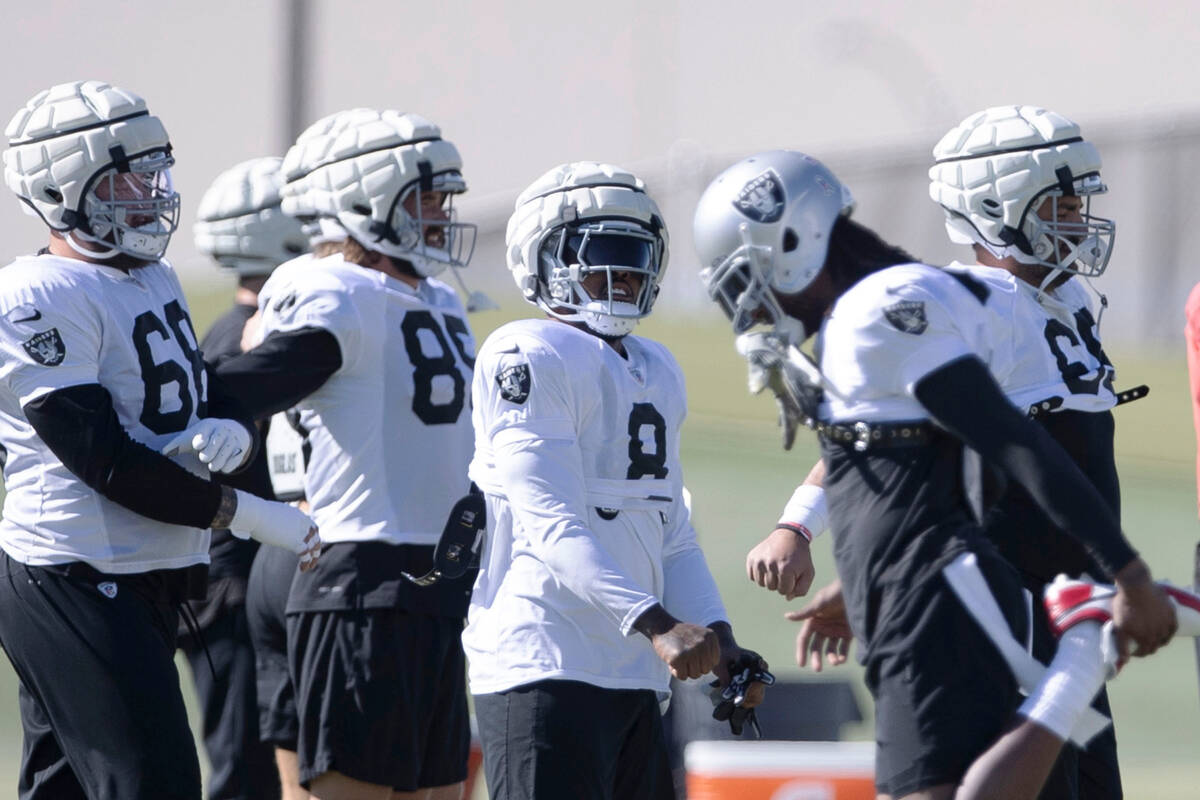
(740, 477)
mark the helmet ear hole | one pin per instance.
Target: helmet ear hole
(790, 240)
(53, 194)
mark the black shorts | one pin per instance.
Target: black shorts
(100, 701)
(556, 739)
(381, 695)
(943, 693)
(266, 599)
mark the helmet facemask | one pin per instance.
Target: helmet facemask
(423, 225)
(132, 207)
(570, 254)
(741, 286)
(1081, 248)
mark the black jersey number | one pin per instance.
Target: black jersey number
(156, 376)
(426, 368)
(1073, 371)
(642, 463)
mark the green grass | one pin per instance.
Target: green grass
(740, 478)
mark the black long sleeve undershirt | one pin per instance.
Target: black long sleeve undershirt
(81, 428)
(964, 398)
(280, 372)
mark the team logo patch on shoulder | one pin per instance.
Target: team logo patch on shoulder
(514, 383)
(46, 348)
(907, 316)
(762, 198)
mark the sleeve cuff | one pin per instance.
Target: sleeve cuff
(632, 615)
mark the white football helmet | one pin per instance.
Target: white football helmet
(763, 226)
(996, 169)
(580, 219)
(91, 161)
(239, 223)
(388, 179)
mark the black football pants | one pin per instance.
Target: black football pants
(101, 709)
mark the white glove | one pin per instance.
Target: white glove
(277, 524)
(222, 444)
(769, 367)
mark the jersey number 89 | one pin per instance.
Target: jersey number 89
(426, 368)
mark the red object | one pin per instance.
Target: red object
(768, 770)
(1071, 603)
(1191, 334)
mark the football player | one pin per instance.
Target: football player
(241, 227)
(1033, 168)
(592, 590)
(376, 356)
(900, 389)
(110, 425)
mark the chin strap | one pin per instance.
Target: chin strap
(1103, 303)
(83, 251)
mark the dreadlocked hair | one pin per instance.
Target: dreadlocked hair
(856, 251)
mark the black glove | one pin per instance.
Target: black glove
(462, 537)
(728, 701)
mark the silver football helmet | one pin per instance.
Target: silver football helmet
(387, 178)
(240, 224)
(579, 220)
(996, 169)
(91, 161)
(763, 226)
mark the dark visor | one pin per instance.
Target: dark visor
(608, 250)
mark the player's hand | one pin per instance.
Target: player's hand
(782, 563)
(277, 524)
(221, 444)
(689, 650)
(825, 636)
(1142, 612)
(767, 367)
(731, 654)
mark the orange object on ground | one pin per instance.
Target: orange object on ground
(740, 770)
(1191, 334)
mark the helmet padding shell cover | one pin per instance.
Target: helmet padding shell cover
(240, 224)
(359, 166)
(70, 138)
(996, 169)
(579, 219)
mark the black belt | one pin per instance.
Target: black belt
(865, 435)
(1055, 403)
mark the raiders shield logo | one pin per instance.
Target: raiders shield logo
(907, 316)
(46, 348)
(762, 198)
(514, 383)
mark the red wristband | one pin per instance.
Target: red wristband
(799, 530)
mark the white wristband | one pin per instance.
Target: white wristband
(270, 522)
(807, 510)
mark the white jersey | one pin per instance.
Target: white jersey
(1059, 359)
(577, 449)
(63, 323)
(897, 325)
(390, 431)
